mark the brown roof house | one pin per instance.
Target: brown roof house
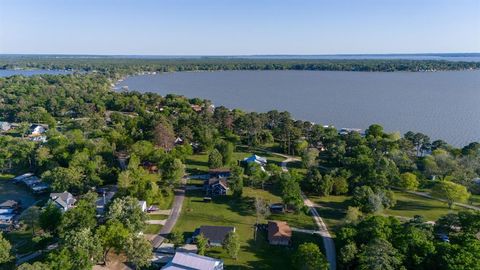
(279, 233)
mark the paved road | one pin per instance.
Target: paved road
(323, 230)
(172, 219)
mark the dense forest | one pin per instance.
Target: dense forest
(120, 66)
(90, 126)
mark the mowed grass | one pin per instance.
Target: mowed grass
(409, 205)
(152, 229)
(240, 213)
(333, 208)
(475, 200)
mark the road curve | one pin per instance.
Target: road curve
(328, 242)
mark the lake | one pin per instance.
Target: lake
(444, 105)
(31, 72)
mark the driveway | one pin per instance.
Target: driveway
(174, 215)
(323, 230)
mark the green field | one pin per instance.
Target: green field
(227, 211)
(152, 228)
(333, 208)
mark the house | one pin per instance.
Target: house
(216, 186)
(192, 261)
(64, 200)
(5, 126)
(279, 233)
(37, 130)
(215, 234)
(143, 205)
(7, 218)
(257, 159)
(219, 173)
(196, 108)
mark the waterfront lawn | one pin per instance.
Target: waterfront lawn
(228, 211)
(6, 176)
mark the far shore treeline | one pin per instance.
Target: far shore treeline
(121, 66)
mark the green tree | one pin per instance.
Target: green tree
(353, 215)
(202, 244)
(50, 218)
(112, 235)
(379, 254)
(309, 157)
(309, 257)
(61, 259)
(83, 215)
(177, 238)
(5, 248)
(63, 179)
(226, 149)
(408, 181)
(340, 185)
(451, 192)
(139, 251)
(30, 217)
(173, 170)
(236, 180)
(215, 159)
(232, 245)
(83, 247)
(127, 211)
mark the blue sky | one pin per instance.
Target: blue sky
(239, 27)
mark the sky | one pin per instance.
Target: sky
(238, 27)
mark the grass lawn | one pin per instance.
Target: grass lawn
(156, 217)
(152, 228)
(409, 205)
(333, 208)
(227, 211)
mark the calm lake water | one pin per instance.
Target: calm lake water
(31, 72)
(444, 105)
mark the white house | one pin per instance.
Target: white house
(257, 159)
(143, 205)
(192, 261)
(64, 200)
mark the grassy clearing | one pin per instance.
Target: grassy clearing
(227, 211)
(409, 205)
(475, 200)
(156, 217)
(333, 208)
(152, 229)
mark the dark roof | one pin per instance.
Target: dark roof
(215, 234)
